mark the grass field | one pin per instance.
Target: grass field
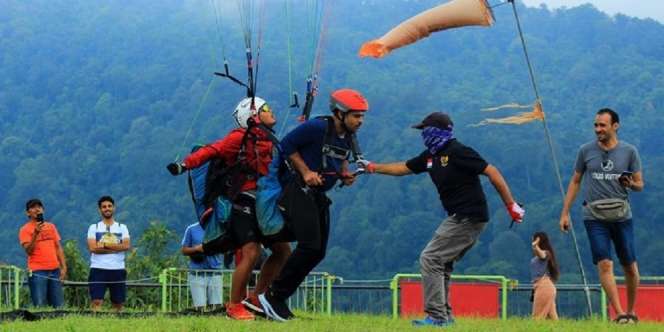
(306, 322)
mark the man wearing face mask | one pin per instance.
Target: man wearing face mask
(454, 169)
(46, 260)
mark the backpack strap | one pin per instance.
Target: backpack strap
(355, 148)
(329, 149)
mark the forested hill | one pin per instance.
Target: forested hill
(97, 97)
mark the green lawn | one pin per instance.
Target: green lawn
(306, 322)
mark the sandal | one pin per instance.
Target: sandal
(633, 318)
(623, 319)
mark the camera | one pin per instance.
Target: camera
(40, 217)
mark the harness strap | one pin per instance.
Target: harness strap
(331, 150)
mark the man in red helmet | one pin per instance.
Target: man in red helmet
(318, 151)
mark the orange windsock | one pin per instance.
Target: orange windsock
(456, 13)
(524, 117)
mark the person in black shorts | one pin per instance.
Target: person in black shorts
(454, 169)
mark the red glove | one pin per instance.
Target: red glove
(516, 211)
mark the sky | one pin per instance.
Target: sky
(639, 8)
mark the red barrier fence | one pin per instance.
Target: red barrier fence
(649, 302)
(467, 299)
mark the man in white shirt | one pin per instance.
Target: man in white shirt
(107, 241)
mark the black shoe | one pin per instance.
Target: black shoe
(275, 308)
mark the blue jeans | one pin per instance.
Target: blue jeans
(46, 288)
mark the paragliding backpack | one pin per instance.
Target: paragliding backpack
(213, 187)
(216, 179)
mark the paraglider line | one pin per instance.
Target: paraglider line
(193, 121)
(553, 156)
(499, 4)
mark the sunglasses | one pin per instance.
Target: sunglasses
(265, 108)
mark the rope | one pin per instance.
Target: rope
(71, 282)
(549, 141)
(291, 96)
(193, 121)
(217, 15)
(499, 4)
(366, 281)
(322, 22)
(261, 20)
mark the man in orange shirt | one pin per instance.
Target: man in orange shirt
(46, 260)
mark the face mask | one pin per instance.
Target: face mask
(436, 138)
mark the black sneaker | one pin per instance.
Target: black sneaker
(275, 308)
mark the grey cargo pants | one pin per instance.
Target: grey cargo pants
(452, 239)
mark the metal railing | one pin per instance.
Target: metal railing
(313, 295)
(318, 293)
(10, 286)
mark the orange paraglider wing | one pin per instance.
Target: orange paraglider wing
(456, 13)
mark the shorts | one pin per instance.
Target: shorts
(244, 225)
(205, 288)
(114, 280)
(243, 222)
(602, 233)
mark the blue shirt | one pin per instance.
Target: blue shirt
(193, 236)
(538, 268)
(308, 139)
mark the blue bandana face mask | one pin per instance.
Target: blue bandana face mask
(436, 138)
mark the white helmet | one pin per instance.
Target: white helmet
(243, 111)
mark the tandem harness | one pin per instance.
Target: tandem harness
(336, 152)
(217, 179)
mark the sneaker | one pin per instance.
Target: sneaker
(428, 321)
(274, 308)
(253, 304)
(237, 311)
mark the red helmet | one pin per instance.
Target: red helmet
(348, 100)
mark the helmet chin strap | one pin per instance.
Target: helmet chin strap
(342, 119)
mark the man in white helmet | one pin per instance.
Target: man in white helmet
(250, 145)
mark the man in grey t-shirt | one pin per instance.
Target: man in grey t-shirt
(608, 169)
